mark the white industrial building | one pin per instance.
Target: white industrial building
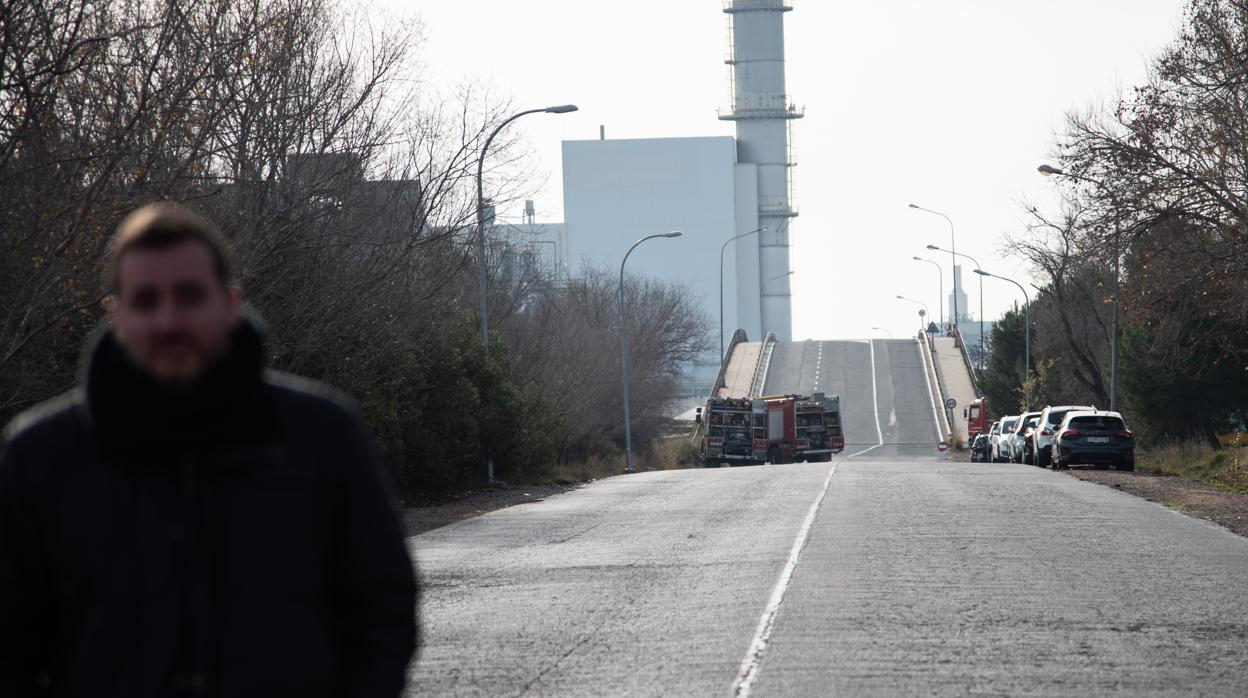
(618, 191)
(710, 188)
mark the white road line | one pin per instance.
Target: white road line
(754, 655)
(930, 398)
(875, 406)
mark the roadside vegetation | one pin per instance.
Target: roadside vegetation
(1225, 468)
(1156, 183)
(348, 193)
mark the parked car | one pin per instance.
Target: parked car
(1000, 452)
(1018, 437)
(1050, 420)
(1029, 441)
(979, 448)
(1093, 437)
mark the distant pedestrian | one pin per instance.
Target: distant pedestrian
(185, 523)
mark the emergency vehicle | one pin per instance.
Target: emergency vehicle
(772, 429)
(976, 415)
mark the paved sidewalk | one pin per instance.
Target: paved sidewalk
(955, 380)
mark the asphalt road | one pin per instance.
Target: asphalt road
(918, 577)
(887, 404)
(883, 573)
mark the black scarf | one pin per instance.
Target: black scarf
(136, 416)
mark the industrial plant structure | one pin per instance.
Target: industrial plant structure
(713, 188)
(763, 113)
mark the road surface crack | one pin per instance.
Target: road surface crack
(532, 682)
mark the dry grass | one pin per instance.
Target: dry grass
(1226, 468)
(668, 453)
(585, 471)
(673, 453)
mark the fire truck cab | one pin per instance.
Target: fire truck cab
(976, 415)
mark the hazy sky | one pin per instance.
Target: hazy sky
(950, 104)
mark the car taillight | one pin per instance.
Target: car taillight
(1124, 434)
(1046, 432)
(1071, 434)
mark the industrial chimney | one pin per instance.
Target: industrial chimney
(763, 114)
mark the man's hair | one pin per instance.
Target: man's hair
(160, 226)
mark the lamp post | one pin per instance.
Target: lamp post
(940, 279)
(981, 301)
(1027, 320)
(953, 244)
(721, 286)
(485, 322)
(922, 312)
(628, 434)
(1048, 170)
(881, 329)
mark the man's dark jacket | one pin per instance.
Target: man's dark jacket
(231, 538)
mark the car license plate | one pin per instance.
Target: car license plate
(1098, 439)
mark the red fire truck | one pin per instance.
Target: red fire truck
(773, 429)
(976, 415)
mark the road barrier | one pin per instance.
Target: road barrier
(929, 361)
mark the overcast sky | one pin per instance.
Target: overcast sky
(950, 104)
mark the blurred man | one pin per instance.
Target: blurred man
(186, 523)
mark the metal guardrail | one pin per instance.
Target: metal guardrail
(970, 369)
(764, 362)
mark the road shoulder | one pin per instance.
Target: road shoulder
(438, 512)
(1225, 508)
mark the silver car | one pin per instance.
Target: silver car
(1000, 440)
(1018, 436)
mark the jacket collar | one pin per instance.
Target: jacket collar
(134, 414)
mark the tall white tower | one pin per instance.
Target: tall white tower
(763, 114)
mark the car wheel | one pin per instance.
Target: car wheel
(1126, 465)
(1042, 459)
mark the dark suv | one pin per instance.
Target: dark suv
(1093, 437)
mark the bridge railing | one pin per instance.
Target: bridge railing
(970, 369)
(737, 338)
(764, 362)
(932, 367)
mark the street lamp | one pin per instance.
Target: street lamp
(981, 302)
(881, 329)
(1027, 319)
(922, 312)
(721, 286)
(485, 322)
(1049, 170)
(953, 244)
(628, 434)
(940, 279)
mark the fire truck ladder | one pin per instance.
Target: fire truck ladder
(764, 362)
